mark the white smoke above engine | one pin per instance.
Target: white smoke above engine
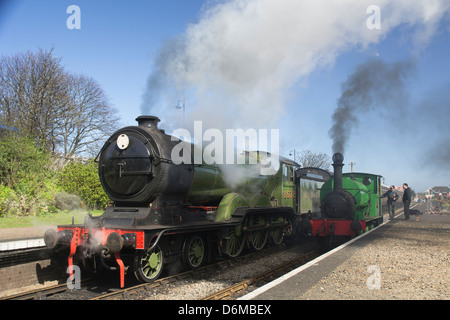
(239, 61)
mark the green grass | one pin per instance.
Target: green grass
(47, 219)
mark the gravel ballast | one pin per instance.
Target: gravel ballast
(228, 275)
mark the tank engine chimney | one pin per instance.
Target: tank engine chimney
(338, 160)
(150, 122)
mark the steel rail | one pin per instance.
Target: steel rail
(42, 293)
(128, 292)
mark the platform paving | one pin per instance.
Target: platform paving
(399, 260)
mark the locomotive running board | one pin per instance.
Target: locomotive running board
(325, 227)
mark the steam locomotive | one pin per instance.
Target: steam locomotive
(165, 213)
(350, 203)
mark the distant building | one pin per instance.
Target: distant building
(440, 191)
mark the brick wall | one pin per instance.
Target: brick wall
(30, 275)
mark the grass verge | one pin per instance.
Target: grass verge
(61, 217)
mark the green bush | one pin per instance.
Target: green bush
(24, 170)
(9, 203)
(32, 184)
(65, 201)
(81, 178)
(23, 166)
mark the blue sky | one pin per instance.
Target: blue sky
(115, 44)
(119, 42)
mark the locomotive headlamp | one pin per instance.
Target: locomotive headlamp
(123, 141)
(338, 157)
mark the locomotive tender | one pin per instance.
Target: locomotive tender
(164, 213)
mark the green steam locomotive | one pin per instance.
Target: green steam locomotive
(350, 203)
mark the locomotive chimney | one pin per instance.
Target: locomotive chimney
(338, 160)
(150, 122)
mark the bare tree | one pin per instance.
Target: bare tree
(309, 159)
(89, 118)
(62, 112)
(32, 93)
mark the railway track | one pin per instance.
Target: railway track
(229, 292)
(43, 293)
(203, 272)
(263, 277)
(128, 293)
(167, 284)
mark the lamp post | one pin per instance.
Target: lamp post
(290, 154)
(182, 107)
(351, 163)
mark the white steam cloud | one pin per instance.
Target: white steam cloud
(239, 62)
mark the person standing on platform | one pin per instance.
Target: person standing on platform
(428, 202)
(406, 200)
(392, 198)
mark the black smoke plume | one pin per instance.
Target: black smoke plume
(374, 84)
(161, 77)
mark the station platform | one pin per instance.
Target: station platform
(398, 260)
(22, 238)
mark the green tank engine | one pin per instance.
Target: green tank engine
(350, 203)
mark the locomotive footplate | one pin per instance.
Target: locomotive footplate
(325, 227)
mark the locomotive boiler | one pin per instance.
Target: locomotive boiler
(165, 212)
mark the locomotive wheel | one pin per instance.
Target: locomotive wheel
(277, 236)
(148, 265)
(193, 251)
(258, 239)
(234, 244)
